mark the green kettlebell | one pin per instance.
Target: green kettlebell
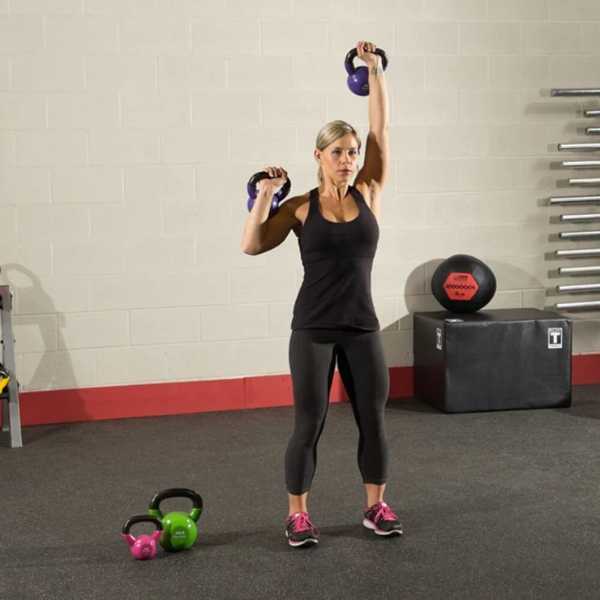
(179, 529)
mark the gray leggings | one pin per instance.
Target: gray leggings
(313, 354)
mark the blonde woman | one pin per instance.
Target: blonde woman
(334, 319)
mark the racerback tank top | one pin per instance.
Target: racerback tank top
(337, 259)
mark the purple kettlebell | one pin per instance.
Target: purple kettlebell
(278, 197)
(358, 78)
(142, 547)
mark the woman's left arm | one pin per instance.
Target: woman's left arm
(374, 172)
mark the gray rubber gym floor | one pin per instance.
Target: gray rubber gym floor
(495, 505)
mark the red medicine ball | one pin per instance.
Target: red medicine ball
(463, 284)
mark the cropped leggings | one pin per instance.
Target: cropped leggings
(313, 354)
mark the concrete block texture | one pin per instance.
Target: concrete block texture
(129, 128)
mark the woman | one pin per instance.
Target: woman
(334, 318)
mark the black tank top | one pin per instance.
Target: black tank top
(337, 260)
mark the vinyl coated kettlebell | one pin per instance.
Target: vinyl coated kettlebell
(278, 197)
(142, 547)
(179, 529)
(358, 77)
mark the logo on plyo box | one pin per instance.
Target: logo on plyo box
(438, 338)
(555, 337)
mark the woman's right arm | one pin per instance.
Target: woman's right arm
(261, 233)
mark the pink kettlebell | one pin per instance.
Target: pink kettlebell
(142, 547)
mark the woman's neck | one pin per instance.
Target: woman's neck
(332, 190)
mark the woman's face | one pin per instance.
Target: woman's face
(339, 160)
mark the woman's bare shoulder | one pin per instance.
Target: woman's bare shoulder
(296, 201)
(365, 190)
(297, 206)
(372, 195)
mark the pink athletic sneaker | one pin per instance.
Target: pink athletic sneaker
(381, 519)
(299, 530)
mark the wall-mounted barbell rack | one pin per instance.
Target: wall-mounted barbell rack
(585, 200)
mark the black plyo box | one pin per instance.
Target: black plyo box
(492, 360)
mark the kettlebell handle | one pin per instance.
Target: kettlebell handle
(140, 519)
(352, 54)
(178, 493)
(253, 191)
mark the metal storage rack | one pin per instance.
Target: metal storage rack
(587, 219)
(11, 416)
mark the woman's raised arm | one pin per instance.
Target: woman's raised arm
(377, 153)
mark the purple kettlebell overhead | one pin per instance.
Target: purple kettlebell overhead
(358, 77)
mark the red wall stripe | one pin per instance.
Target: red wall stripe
(118, 402)
(585, 369)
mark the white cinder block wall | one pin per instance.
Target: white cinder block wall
(128, 129)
